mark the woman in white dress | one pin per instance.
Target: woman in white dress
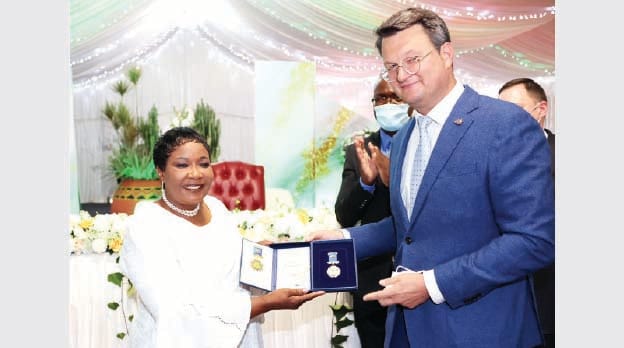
(182, 253)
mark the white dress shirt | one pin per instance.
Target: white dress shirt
(438, 114)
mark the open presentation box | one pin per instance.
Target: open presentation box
(327, 265)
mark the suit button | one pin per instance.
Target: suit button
(408, 240)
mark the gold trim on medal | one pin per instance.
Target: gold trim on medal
(256, 262)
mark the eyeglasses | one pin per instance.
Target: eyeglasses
(385, 99)
(411, 65)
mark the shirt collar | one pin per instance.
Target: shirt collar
(386, 141)
(443, 109)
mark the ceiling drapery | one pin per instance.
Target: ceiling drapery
(192, 50)
(494, 40)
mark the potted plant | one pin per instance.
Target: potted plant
(205, 122)
(131, 161)
(208, 125)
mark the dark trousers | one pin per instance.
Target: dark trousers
(370, 316)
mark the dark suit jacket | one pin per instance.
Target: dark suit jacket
(353, 205)
(544, 279)
(551, 143)
(483, 221)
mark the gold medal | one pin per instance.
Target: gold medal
(256, 262)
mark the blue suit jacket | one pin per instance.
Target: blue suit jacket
(483, 220)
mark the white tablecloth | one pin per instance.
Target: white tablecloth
(93, 325)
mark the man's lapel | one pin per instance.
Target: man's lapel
(397, 157)
(453, 130)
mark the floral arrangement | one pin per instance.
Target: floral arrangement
(284, 224)
(102, 233)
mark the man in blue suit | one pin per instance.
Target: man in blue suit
(472, 203)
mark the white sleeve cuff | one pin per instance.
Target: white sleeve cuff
(345, 234)
(432, 287)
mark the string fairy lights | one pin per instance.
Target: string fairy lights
(352, 55)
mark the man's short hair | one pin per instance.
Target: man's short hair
(533, 88)
(434, 26)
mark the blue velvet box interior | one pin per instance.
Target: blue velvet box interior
(320, 262)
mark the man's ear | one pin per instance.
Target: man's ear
(543, 111)
(543, 107)
(447, 52)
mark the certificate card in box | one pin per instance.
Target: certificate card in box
(327, 265)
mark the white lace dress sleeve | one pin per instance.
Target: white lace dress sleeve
(186, 279)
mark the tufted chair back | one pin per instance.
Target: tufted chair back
(235, 180)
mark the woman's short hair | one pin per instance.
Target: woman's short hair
(171, 140)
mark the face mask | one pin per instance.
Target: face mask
(391, 116)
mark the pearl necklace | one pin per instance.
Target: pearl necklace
(178, 210)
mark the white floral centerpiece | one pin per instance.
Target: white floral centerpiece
(104, 233)
(96, 234)
(285, 224)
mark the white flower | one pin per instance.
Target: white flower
(101, 224)
(183, 118)
(99, 245)
(74, 220)
(80, 245)
(290, 226)
(79, 232)
(96, 234)
(118, 223)
(283, 223)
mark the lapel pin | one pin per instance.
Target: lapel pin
(458, 121)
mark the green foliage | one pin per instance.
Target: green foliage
(149, 130)
(341, 321)
(134, 74)
(206, 123)
(132, 158)
(121, 87)
(338, 340)
(116, 278)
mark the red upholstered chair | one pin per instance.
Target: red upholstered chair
(240, 181)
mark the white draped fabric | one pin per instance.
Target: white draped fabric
(176, 77)
(192, 50)
(93, 324)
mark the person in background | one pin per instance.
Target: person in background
(530, 96)
(472, 203)
(364, 198)
(183, 252)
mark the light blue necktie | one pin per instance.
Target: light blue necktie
(421, 158)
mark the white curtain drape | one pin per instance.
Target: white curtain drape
(192, 50)
(184, 71)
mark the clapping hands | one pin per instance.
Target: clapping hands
(371, 165)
